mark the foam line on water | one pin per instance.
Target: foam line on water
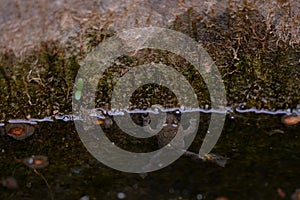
(23, 121)
(102, 113)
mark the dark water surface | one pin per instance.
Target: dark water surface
(263, 156)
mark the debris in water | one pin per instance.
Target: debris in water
(10, 183)
(106, 123)
(36, 162)
(214, 158)
(19, 131)
(221, 198)
(281, 193)
(296, 195)
(275, 131)
(290, 119)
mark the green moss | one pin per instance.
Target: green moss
(255, 69)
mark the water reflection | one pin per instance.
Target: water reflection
(74, 173)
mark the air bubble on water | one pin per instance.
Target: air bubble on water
(297, 110)
(76, 170)
(16, 121)
(115, 112)
(30, 160)
(242, 105)
(229, 109)
(97, 114)
(171, 190)
(135, 186)
(206, 106)
(199, 197)
(29, 185)
(143, 175)
(155, 109)
(101, 110)
(185, 192)
(182, 108)
(121, 195)
(45, 119)
(85, 198)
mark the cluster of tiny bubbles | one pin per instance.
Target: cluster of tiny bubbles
(102, 113)
(297, 110)
(76, 170)
(242, 106)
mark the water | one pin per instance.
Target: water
(258, 164)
